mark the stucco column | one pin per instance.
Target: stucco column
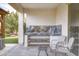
(20, 29)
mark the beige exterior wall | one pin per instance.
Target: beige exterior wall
(62, 18)
(41, 17)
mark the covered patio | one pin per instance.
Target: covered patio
(46, 25)
(45, 15)
(41, 15)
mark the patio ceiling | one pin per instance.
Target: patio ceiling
(34, 5)
(39, 5)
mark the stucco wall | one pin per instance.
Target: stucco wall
(62, 18)
(41, 17)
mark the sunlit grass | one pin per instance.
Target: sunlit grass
(13, 39)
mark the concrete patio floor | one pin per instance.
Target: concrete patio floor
(19, 50)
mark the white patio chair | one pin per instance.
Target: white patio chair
(54, 40)
(64, 47)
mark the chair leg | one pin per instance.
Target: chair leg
(38, 52)
(46, 52)
(55, 53)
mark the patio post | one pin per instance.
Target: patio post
(20, 29)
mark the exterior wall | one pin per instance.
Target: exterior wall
(41, 17)
(62, 18)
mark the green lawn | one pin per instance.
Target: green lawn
(11, 39)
